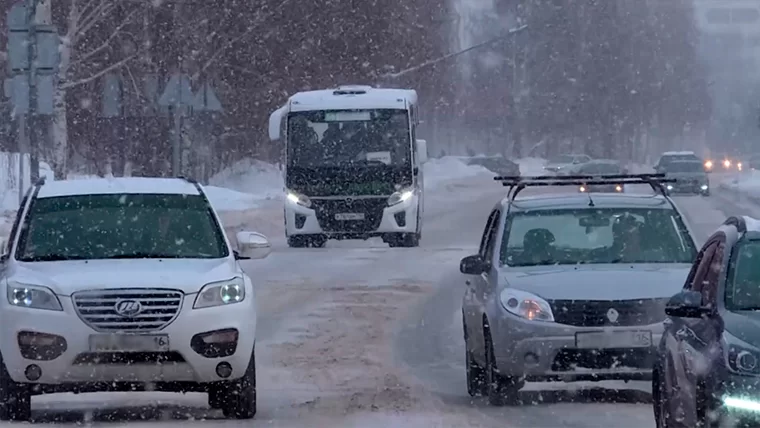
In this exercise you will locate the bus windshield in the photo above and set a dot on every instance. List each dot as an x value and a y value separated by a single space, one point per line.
356 137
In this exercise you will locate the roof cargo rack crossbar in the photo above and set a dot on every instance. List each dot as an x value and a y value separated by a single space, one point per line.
517 183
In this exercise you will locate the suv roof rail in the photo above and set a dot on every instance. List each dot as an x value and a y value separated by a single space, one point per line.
40 181
188 179
517 183
738 222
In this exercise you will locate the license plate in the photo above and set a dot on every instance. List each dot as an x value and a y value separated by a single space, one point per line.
129 343
613 339
349 216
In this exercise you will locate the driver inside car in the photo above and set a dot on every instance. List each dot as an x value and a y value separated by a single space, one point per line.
538 248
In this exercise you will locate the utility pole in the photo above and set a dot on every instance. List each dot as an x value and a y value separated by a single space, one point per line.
31 147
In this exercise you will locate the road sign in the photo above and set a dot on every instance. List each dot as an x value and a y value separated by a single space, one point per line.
17 89
47 43
178 92
206 100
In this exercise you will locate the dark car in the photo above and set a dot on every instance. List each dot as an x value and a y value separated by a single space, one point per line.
600 168
670 157
689 176
707 371
497 164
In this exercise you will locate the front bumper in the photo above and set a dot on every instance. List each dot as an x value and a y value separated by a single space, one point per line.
547 351
78 365
379 219
675 188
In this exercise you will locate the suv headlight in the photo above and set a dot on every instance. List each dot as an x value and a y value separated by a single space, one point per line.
526 305
298 198
400 196
220 293
741 358
33 297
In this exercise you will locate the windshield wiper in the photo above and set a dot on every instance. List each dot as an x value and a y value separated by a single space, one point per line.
51 258
145 255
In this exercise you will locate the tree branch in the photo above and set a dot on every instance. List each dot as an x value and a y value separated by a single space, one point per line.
93 18
451 55
100 73
107 42
251 27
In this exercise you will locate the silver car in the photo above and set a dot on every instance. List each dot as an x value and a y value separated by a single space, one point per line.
571 287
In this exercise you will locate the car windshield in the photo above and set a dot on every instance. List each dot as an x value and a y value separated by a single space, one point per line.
337 137
743 285
685 167
120 226
595 236
562 159
601 168
678 158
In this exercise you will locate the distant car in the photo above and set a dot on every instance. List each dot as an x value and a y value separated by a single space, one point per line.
689 176
565 289
669 157
561 164
600 168
497 164
707 371
126 284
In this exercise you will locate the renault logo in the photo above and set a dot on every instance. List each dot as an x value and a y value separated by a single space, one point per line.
128 308
613 315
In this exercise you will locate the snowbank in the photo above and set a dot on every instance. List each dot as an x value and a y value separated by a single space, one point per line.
449 168
532 166
253 177
745 183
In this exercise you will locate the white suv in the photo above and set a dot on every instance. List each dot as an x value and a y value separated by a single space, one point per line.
126 284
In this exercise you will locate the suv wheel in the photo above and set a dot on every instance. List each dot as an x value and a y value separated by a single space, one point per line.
237 399
406 240
15 398
501 390
307 241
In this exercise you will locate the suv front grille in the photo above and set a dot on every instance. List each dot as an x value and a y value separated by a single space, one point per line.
157 308
372 208
596 313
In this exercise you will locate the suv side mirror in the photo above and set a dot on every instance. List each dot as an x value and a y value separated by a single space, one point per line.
422 153
252 245
473 265
686 304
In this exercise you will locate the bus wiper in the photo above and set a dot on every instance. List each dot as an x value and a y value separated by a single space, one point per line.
145 255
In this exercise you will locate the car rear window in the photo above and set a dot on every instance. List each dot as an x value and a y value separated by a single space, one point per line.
595 236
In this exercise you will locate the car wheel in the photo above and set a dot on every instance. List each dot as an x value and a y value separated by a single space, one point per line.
15 398
500 390
238 399
307 241
406 240
476 376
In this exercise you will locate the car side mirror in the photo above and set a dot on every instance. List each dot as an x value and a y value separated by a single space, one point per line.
252 245
687 304
473 265
422 152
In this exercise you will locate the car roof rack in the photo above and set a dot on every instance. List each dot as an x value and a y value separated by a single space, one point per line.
517 183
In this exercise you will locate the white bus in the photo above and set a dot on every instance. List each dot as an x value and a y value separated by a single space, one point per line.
353 165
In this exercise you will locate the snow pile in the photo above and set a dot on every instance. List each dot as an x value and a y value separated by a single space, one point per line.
532 166
746 183
253 177
449 168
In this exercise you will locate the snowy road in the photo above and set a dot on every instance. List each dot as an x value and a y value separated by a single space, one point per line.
358 334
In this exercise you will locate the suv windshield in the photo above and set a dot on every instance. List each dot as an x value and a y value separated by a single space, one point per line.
337 137
601 168
593 236
678 158
562 159
115 226
743 285
682 166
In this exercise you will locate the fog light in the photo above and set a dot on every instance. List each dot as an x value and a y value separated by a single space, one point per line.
582 189
704 187
33 372
215 344
224 370
531 358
